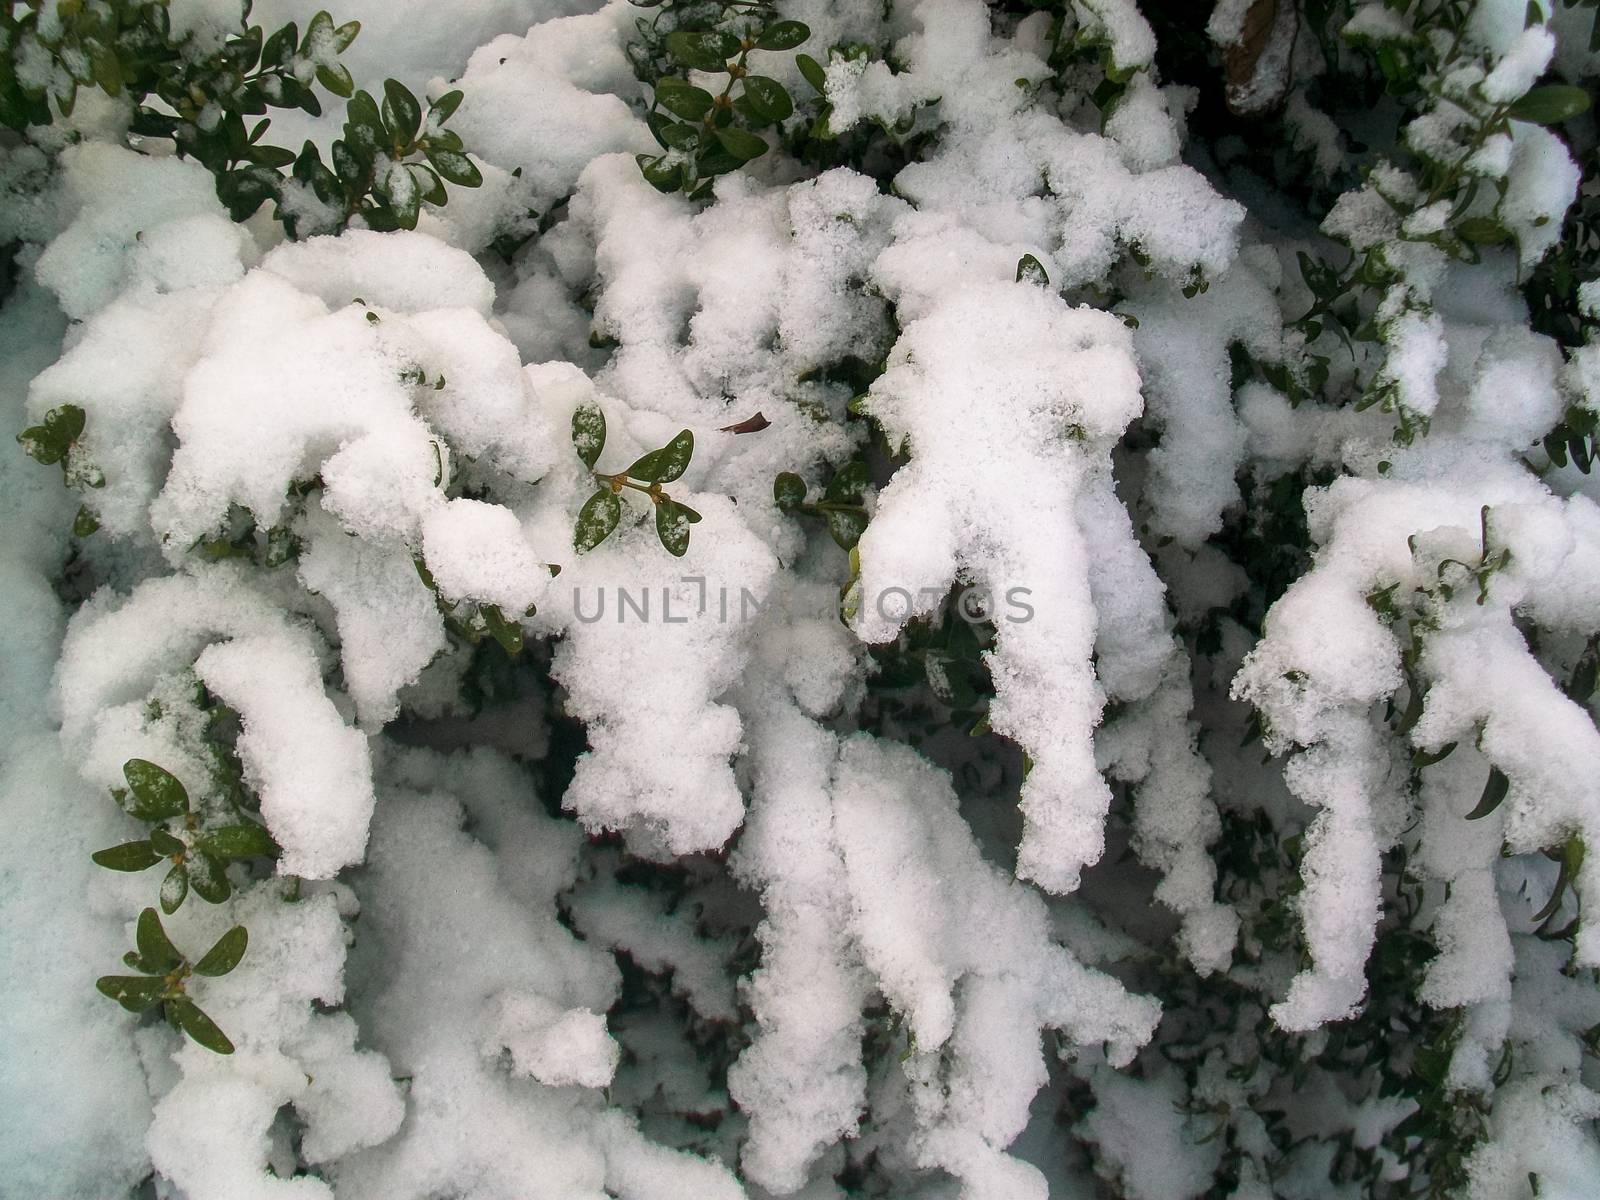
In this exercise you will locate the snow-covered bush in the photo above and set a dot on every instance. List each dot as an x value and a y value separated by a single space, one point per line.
922 599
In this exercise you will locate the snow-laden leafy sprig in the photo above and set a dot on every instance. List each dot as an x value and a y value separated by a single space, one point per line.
164 975
602 511
703 133
199 857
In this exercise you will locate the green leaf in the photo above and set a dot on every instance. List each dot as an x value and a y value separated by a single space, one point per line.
337 79
507 633
661 175
1494 791
136 993
676 135
224 956
596 519
208 878
244 840
672 525
666 464
1031 270
845 526
197 1025
442 109
344 35
788 490
849 483
588 433
318 32
741 143
280 47
401 111
130 856
429 186
811 71
85 522
51 440
1551 104
768 97
164 844
454 166
703 51
155 947
683 99
153 792
784 35
174 889
364 124
271 156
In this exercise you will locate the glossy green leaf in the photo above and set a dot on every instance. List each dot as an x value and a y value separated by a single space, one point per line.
136 993
845 526
319 32
660 174
85 522
741 143
768 97
455 167
337 79
442 109
174 889
788 490
849 483
596 519
666 464
344 35
1551 104
508 634
154 793
401 112
783 35
672 525
197 1025
130 856
811 71
209 878
683 99
429 186
155 947
702 51
164 844
244 840
224 956
588 433
281 46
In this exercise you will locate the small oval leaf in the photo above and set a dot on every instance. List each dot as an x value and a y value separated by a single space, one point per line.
768 97
666 464
783 35
596 519
188 1017
588 433
672 526
400 109
224 956
130 856
788 490
154 793
155 947
174 889
1551 104
244 840
209 879
133 992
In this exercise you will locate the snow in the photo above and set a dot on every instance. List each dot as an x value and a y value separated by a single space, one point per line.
705 891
